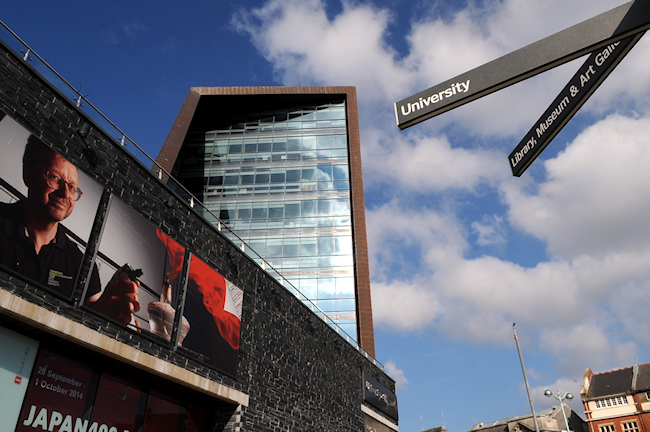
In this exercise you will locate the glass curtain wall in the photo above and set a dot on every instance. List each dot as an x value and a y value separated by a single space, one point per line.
280 180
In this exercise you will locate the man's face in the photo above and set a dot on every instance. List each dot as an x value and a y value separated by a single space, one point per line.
53 204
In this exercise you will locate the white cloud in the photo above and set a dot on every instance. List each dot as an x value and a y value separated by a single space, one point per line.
403 306
593 201
401 383
306 48
490 231
421 163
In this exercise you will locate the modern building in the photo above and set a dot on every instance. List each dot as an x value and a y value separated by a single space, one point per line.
281 167
548 420
618 400
212 342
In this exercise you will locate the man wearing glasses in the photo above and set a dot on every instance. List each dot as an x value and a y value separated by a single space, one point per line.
34 244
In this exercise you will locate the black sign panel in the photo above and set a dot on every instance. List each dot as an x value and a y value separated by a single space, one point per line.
379 396
581 39
583 84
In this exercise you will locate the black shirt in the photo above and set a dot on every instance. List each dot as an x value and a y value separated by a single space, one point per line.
57 263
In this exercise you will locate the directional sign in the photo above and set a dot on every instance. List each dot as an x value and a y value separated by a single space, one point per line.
588 78
583 38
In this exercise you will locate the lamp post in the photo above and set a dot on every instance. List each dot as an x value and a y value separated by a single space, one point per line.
567 395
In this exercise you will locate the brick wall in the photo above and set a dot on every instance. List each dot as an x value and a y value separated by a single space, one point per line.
298 373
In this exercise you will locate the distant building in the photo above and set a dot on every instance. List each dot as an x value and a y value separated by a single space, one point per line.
281 167
548 420
437 429
618 400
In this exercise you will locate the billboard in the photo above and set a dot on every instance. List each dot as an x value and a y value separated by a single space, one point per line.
213 309
68 395
58 394
133 256
47 208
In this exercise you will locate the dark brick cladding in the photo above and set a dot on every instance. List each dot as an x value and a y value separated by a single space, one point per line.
299 374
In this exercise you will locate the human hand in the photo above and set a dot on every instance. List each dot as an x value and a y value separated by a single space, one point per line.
119 300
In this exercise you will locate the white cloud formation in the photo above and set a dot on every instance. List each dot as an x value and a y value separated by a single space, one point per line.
490 231
401 383
305 47
593 200
422 163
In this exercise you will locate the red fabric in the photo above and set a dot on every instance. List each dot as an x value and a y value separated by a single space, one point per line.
176 253
213 287
210 284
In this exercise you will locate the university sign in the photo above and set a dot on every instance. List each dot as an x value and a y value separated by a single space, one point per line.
608 36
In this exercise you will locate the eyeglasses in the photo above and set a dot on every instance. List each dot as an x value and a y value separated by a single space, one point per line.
54 182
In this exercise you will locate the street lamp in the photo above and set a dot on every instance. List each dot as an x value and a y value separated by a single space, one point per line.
567 395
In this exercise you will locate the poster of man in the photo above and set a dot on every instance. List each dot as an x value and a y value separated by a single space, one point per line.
39 190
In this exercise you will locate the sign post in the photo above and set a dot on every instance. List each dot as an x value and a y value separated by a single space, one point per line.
608 36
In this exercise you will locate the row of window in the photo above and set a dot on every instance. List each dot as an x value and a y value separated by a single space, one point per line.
287 266
203 144
295 123
294 225
263 175
302 247
208 193
629 426
244 210
609 402
241 159
218 161
261 226
284 117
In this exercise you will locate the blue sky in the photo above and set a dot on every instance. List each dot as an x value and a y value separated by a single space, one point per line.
459 248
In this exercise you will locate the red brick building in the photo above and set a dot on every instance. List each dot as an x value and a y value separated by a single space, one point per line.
617 401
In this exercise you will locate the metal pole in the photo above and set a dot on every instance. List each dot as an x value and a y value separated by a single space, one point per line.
566 422
523 369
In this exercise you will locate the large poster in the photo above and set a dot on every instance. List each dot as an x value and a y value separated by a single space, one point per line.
47 208
143 266
57 396
213 309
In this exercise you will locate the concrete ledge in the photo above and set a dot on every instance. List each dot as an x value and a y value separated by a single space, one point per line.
65 328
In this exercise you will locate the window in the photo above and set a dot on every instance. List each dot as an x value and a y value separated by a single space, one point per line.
630 426
609 402
607 428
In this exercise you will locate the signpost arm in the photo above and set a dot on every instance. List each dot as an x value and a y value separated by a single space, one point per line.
572 97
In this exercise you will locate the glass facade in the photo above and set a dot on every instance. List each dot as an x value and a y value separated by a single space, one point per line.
280 180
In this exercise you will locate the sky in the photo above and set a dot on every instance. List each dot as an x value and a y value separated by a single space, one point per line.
460 249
